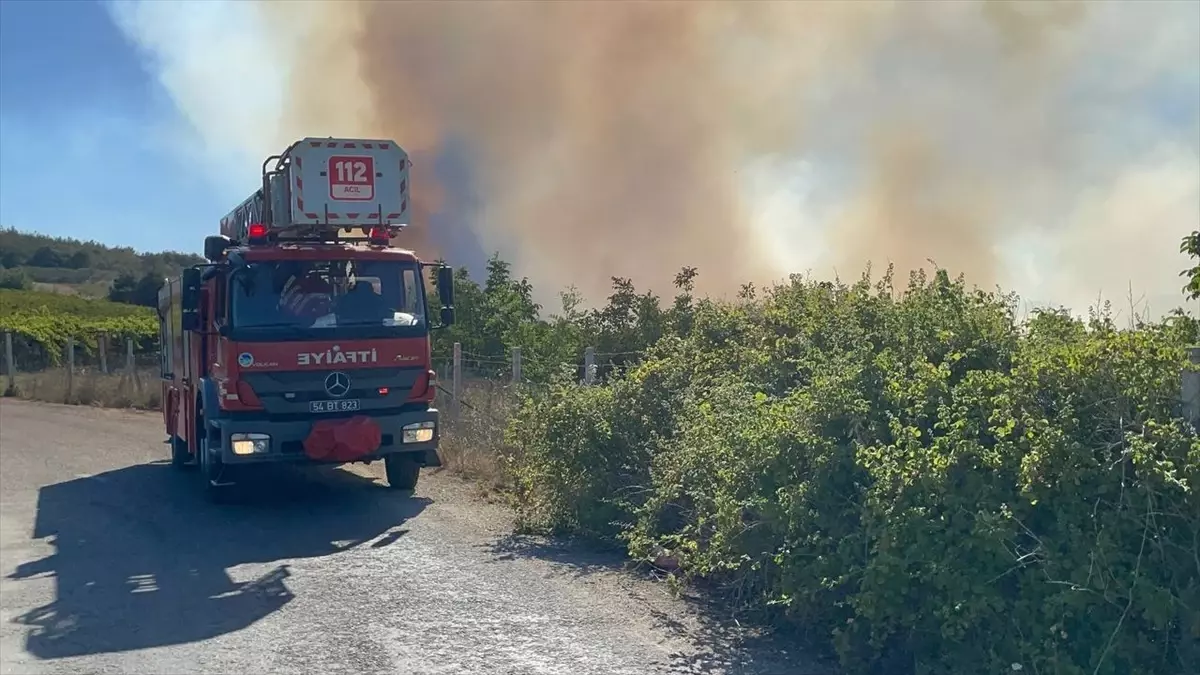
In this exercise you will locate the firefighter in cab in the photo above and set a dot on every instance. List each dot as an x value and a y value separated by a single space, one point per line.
307 297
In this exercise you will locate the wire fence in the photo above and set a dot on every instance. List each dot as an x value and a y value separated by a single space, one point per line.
475 382
107 371
477 393
480 393
24 354
519 366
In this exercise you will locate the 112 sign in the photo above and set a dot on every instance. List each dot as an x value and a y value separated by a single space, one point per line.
351 178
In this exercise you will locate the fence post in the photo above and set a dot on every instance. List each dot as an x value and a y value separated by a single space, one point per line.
9 363
589 366
102 345
1191 388
516 369
131 366
70 368
455 380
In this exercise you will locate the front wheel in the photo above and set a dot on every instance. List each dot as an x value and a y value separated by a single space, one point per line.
402 471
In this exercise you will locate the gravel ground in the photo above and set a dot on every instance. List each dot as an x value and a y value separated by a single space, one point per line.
112 562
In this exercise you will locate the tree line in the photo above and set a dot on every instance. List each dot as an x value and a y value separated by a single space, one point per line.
125 275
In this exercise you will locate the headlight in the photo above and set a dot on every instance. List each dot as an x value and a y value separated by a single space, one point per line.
418 432
250 444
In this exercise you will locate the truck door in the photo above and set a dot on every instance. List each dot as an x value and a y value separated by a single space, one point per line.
165 354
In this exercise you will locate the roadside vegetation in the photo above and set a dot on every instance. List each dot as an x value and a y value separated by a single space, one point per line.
90 387
912 472
932 484
53 289
41 324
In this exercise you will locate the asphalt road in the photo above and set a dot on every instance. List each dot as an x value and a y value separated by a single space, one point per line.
112 562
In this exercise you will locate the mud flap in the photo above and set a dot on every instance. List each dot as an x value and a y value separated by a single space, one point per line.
214 470
432 458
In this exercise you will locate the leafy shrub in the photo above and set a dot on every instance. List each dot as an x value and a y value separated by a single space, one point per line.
935 485
15 280
1190 246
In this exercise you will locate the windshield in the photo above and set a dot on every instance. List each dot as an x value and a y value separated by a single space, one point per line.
323 295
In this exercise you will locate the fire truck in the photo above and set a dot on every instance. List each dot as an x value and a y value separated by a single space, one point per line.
306 335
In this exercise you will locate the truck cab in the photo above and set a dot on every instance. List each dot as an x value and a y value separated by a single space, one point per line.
306 336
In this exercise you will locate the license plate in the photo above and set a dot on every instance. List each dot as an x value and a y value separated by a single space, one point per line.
332 406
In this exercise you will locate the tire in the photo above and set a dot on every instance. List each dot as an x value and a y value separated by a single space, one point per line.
180 457
402 471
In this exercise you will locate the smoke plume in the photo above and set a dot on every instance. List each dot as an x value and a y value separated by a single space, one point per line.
1053 148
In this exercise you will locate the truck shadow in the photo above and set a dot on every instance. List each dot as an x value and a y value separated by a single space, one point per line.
142 559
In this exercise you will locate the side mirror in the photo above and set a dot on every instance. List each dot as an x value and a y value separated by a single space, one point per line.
191 321
447 317
237 260
215 246
445 284
189 299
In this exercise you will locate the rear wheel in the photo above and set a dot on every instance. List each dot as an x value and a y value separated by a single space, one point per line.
402 471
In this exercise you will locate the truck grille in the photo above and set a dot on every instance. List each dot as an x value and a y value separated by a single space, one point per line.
289 392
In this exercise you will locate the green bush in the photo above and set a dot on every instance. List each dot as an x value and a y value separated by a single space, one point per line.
935 485
15 280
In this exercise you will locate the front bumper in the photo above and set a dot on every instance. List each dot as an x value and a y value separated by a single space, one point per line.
286 438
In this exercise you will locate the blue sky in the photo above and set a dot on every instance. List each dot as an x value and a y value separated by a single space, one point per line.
88 138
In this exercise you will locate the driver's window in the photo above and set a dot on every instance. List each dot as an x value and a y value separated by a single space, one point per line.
220 301
412 294
165 351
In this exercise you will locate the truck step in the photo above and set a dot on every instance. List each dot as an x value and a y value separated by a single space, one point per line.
219 481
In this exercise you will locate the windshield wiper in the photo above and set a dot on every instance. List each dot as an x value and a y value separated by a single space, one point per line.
290 328
361 322
382 323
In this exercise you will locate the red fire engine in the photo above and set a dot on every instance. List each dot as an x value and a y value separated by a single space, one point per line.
306 337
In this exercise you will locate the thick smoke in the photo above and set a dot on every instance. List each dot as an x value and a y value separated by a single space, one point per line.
1054 148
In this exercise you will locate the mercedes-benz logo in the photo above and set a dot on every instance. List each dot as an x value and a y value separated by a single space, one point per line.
337 384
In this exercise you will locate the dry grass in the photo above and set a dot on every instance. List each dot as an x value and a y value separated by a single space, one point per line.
471 445
89 387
